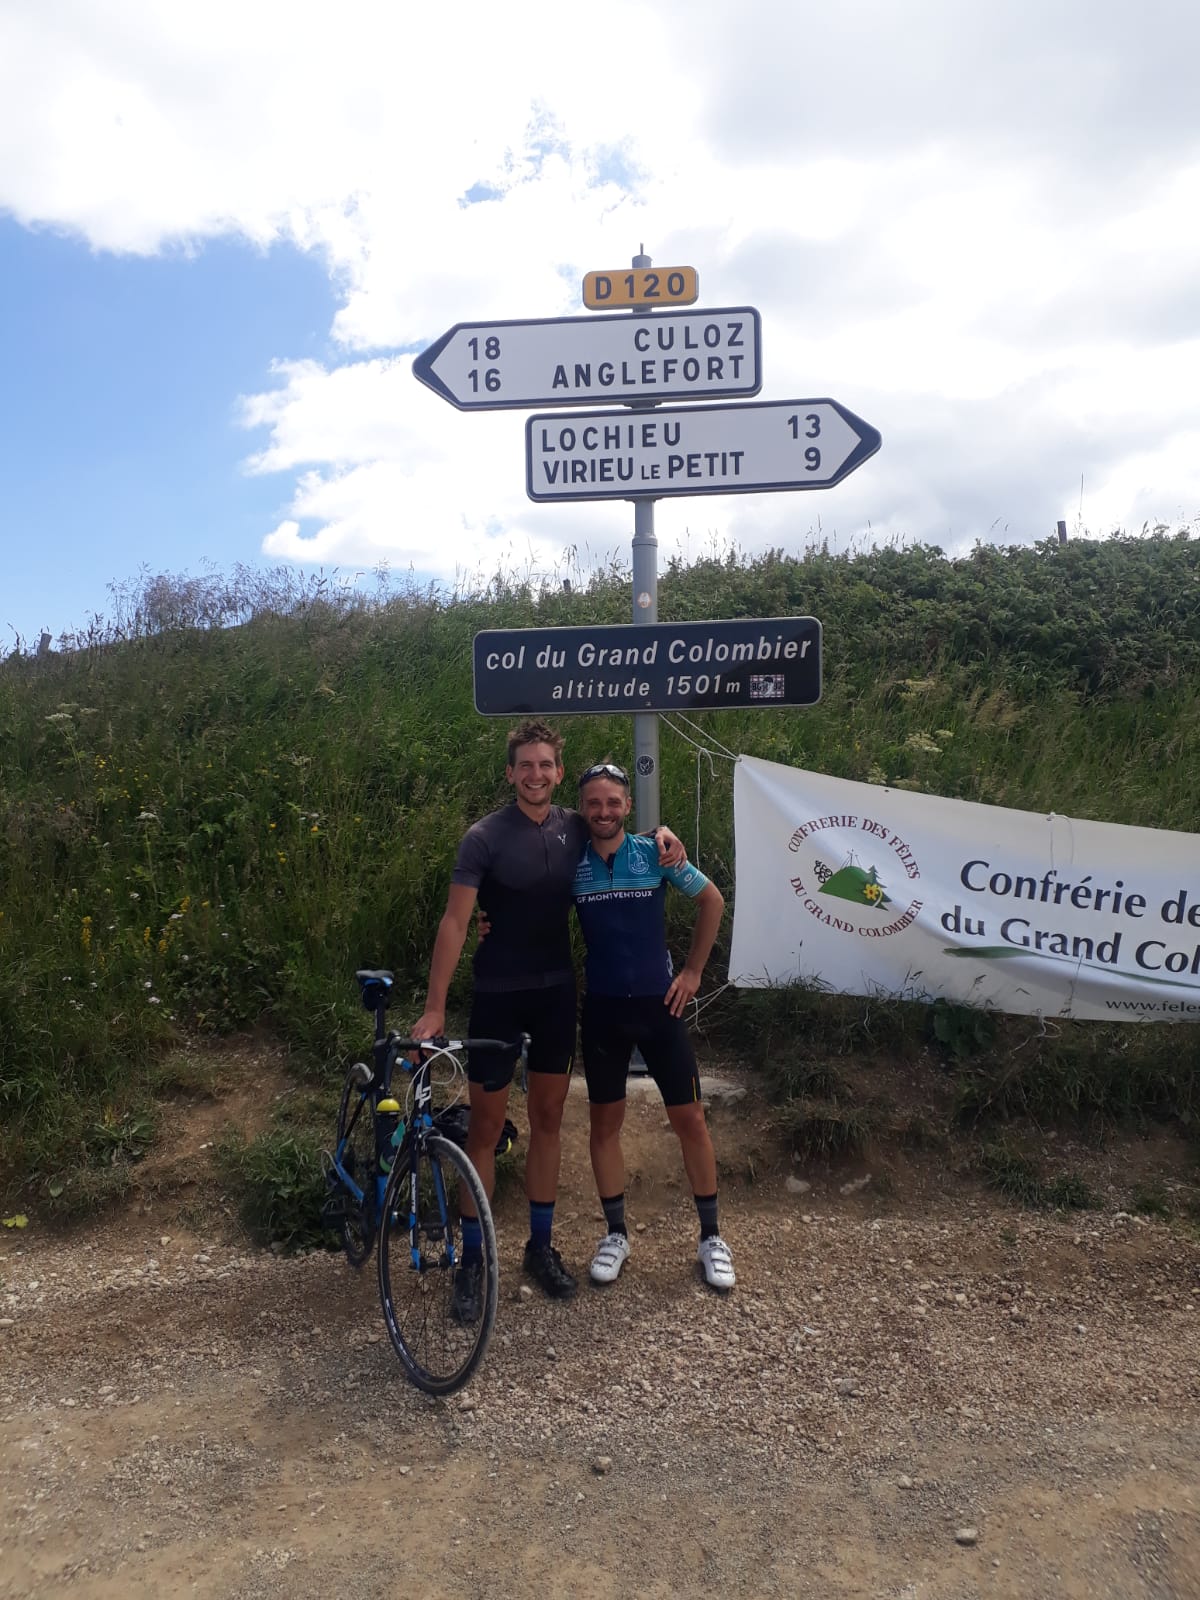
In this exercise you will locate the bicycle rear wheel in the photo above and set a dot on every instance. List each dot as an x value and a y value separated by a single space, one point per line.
356 1152
439 1340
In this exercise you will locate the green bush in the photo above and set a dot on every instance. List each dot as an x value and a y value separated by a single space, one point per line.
1014 1175
278 1180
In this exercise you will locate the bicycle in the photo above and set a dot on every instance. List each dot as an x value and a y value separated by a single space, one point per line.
397 1178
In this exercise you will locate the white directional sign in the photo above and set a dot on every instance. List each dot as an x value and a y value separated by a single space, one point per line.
668 355
766 445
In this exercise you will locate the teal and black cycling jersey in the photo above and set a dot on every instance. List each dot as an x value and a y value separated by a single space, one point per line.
621 907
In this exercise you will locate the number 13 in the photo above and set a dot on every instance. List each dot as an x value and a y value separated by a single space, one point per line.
812 456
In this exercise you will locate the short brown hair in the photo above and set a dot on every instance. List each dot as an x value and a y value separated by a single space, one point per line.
533 732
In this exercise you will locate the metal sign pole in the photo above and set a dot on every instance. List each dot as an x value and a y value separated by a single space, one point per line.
645 611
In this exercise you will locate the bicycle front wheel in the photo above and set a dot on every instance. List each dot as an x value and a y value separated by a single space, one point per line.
439 1315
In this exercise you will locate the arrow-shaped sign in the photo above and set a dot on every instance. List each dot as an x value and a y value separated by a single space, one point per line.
668 355
766 445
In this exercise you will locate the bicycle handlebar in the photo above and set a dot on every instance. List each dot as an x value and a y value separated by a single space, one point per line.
441 1042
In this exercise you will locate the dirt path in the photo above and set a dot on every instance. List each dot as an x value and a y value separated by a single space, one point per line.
181 1415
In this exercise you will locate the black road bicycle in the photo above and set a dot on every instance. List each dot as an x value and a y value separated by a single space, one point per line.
398 1180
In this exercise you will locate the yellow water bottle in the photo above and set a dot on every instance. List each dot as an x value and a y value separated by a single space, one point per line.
389 1131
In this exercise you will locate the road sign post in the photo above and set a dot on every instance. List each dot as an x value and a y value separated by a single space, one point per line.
646 784
644 454
645 614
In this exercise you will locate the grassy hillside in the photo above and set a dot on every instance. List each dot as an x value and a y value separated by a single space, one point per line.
213 810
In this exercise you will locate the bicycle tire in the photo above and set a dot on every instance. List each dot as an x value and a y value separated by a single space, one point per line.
438 1352
356 1224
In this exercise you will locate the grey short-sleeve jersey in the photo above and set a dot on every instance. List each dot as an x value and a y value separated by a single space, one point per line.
523 871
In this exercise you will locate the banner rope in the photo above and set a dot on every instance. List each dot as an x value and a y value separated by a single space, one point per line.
702 753
703 1005
722 749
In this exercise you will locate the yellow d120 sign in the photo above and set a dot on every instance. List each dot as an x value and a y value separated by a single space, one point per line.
641 286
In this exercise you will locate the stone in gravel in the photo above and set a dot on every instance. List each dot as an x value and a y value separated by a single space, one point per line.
466 1402
524 1292
602 1466
967 1536
849 1387
552 1352
798 1185
721 1091
905 1482
856 1185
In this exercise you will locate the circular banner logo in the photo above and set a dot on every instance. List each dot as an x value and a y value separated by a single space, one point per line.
854 876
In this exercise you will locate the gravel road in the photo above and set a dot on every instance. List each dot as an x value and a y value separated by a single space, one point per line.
936 1398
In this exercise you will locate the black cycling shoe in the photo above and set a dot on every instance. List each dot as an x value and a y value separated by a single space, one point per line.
465 1302
545 1266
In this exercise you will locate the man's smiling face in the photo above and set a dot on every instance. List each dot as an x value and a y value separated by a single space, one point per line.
534 774
605 804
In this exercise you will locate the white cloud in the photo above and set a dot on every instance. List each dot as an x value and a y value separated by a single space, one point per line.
976 228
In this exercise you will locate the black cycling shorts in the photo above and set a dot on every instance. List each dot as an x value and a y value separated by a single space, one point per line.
613 1025
548 1016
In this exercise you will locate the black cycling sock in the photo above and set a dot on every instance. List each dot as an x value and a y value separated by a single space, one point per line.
706 1206
614 1213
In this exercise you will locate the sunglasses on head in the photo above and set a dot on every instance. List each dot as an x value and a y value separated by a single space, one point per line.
604 769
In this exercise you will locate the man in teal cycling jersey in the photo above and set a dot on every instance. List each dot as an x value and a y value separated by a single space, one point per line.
634 998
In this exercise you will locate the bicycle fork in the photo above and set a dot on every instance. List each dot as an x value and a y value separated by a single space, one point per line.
422 1125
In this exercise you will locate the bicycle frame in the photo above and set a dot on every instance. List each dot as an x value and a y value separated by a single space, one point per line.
388 1053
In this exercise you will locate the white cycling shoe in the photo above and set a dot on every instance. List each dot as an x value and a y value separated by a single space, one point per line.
611 1255
716 1262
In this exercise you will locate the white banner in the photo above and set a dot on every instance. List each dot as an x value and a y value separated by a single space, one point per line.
865 890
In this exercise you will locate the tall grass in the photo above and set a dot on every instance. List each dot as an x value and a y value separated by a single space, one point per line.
217 803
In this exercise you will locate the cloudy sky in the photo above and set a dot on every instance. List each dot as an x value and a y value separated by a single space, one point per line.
225 230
